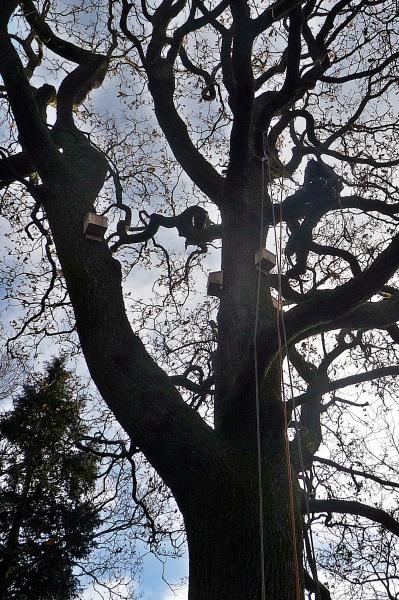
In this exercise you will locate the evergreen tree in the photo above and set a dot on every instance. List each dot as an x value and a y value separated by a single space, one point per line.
47 512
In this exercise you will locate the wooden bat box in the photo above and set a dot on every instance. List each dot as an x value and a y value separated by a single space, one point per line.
215 283
94 227
265 259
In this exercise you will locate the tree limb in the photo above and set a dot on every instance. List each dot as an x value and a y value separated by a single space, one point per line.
362 74
59 46
16 165
311 586
328 306
351 507
352 471
34 135
325 387
371 315
191 224
242 94
161 83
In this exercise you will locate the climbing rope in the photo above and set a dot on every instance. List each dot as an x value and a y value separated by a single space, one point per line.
257 403
280 334
312 557
282 350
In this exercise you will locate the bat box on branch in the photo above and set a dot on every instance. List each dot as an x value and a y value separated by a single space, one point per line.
265 260
94 227
215 283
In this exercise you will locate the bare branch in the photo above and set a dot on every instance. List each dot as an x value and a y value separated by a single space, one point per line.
352 471
192 224
325 387
351 507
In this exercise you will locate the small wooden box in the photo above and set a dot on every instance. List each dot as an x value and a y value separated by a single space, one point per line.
266 259
94 227
215 283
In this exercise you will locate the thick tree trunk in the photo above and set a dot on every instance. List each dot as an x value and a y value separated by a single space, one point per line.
223 526
173 437
223 532
234 411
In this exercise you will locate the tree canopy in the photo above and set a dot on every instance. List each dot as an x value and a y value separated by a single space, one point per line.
237 125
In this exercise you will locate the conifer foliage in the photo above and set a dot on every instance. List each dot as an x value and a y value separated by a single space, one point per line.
47 508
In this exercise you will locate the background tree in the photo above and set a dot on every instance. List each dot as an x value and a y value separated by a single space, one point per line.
66 486
47 514
273 87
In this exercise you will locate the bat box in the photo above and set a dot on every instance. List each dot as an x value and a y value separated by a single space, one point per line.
94 227
265 259
215 283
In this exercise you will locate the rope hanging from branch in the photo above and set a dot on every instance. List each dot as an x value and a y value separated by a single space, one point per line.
257 404
283 351
280 336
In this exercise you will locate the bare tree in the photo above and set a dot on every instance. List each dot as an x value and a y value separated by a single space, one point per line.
251 101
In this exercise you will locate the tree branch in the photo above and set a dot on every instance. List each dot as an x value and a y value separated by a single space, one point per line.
352 471
311 586
339 253
34 135
325 387
161 83
329 306
242 93
273 13
369 205
191 224
192 386
371 315
362 74
16 165
54 43
351 507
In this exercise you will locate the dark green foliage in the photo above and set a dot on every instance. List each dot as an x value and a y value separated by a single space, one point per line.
47 516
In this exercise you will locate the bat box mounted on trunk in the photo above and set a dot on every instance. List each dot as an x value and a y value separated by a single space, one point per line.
215 283
265 259
94 227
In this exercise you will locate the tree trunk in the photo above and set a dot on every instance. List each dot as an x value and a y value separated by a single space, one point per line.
223 533
223 525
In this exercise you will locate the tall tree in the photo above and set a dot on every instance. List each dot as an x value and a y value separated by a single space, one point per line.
47 514
280 85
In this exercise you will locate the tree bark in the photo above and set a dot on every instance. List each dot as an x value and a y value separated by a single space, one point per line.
223 533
